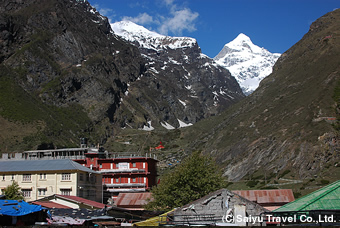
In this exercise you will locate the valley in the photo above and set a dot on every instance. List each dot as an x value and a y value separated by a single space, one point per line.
128 89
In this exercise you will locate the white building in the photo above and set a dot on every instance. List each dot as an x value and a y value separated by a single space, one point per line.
41 178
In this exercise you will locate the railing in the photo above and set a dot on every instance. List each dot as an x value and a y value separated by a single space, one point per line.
122 170
126 185
126 190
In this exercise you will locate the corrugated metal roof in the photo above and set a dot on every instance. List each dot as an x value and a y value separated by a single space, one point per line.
132 199
82 200
41 165
49 204
326 198
268 197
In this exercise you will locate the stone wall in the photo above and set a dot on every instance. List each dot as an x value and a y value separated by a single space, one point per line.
222 206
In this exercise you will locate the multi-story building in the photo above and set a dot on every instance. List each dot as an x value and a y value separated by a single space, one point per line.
40 178
122 173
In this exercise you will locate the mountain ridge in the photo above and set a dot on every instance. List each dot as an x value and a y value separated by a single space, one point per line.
197 86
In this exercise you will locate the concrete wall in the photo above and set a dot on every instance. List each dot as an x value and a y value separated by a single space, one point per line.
222 206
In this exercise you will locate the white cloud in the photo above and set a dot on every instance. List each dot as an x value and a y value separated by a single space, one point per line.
181 20
176 19
169 2
142 18
105 11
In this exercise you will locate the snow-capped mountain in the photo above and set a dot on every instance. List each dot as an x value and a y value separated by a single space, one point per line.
149 39
182 84
247 62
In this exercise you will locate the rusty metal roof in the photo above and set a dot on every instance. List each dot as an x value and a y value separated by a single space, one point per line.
268 197
136 200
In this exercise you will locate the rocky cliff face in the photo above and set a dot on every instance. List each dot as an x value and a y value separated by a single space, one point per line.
63 54
184 85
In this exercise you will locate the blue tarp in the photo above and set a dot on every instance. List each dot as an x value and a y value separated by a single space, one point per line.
17 208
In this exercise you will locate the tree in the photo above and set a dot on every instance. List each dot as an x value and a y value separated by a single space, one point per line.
195 177
12 192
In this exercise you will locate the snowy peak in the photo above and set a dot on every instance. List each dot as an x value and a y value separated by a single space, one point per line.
243 42
131 31
149 39
247 62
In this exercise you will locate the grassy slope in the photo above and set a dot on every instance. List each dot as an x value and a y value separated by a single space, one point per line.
30 122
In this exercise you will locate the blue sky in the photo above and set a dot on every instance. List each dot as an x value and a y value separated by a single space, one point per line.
273 24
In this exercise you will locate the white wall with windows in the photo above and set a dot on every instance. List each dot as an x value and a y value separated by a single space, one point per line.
35 186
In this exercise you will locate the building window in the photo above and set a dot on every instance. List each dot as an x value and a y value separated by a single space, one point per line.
42 176
3 177
81 193
134 180
81 176
26 177
26 193
66 176
117 180
91 193
93 179
13 176
134 165
42 191
65 192
123 165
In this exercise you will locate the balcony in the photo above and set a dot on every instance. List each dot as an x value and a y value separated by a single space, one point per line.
133 170
126 190
125 185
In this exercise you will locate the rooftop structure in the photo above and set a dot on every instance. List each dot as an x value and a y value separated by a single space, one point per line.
219 208
133 201
41 165
326 198
319 208
70 202
269 199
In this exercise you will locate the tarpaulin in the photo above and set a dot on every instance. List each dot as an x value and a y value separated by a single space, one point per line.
155 221
65 220
17 208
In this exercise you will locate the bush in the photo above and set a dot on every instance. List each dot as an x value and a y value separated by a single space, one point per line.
12 192
252 183
324 182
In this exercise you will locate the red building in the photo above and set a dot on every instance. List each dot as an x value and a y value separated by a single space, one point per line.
122 173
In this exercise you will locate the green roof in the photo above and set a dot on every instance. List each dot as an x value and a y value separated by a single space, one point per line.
326 198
